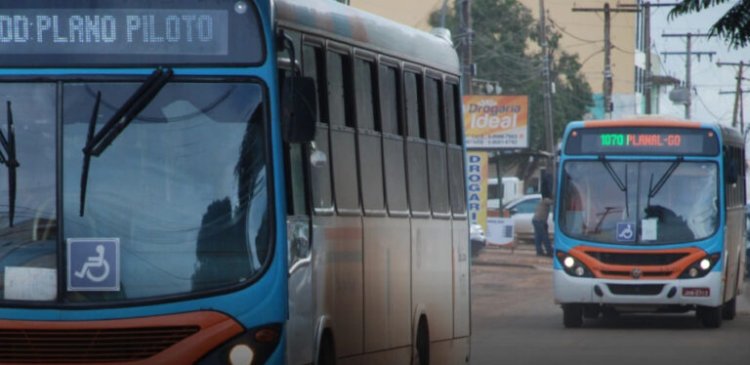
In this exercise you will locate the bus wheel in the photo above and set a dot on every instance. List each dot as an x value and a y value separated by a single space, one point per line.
710 316
422 344
572 315
729 309
326 354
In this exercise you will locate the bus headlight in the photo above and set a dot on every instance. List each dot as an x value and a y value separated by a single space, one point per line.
573 266
241 355
252 347
701 268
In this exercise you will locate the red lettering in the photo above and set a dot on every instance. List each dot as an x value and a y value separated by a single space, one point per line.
648 140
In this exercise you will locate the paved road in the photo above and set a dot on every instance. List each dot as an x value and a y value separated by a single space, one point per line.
514 321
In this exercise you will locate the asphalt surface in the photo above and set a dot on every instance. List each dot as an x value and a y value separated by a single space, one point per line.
515 321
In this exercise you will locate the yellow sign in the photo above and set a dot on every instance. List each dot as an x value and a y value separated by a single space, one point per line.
496 121
477 186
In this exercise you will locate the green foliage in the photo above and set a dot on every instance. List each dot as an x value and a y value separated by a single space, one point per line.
506 49
734 26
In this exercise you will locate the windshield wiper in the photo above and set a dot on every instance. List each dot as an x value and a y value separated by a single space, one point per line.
87 156
9 160
623 186
654 189
98 143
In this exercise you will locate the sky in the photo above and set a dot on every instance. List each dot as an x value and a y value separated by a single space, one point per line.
707 78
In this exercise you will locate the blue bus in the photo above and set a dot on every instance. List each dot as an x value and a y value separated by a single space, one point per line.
649 218
229 182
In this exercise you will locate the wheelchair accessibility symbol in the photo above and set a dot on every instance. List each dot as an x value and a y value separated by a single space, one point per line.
625 232
93 264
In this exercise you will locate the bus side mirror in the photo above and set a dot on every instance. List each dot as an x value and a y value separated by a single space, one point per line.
299 109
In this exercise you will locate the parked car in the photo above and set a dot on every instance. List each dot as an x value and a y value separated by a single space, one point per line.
478 239
521 211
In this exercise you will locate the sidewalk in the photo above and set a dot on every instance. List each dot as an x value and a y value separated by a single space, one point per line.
523 255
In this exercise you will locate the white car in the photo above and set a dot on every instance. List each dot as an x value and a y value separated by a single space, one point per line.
478 239
521 211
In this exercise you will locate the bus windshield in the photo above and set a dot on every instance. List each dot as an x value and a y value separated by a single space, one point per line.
639 202
183 188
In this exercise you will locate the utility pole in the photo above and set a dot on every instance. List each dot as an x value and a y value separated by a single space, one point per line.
647 77
607 83
547 92
738 92
647 46
738 105
467 36
688 56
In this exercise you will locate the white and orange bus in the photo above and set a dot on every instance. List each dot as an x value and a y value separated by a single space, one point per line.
649 217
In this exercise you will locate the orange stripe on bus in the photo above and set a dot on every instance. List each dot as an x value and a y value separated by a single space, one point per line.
214 329
614 271
641 123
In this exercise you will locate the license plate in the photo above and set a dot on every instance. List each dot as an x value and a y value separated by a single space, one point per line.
696 292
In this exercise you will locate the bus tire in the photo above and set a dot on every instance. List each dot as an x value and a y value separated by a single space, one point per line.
710 316
326 353
729 309
422 343
572 315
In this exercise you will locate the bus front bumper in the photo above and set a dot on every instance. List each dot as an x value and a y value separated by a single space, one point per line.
705 291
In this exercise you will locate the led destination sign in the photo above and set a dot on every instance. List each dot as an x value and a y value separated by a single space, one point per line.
86 36
666 141
115 31
642 140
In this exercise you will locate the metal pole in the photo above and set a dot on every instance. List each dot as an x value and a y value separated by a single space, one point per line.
738 96
687 78
647 48
607 85
549 125
466 45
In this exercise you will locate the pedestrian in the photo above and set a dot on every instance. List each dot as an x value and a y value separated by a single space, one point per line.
541 236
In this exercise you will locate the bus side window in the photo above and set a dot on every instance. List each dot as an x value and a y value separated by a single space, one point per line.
393 141
436 149
416 150
343 145
454 136
320 173
370 146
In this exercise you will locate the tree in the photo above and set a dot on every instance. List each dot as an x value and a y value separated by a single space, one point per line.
734 26
506 49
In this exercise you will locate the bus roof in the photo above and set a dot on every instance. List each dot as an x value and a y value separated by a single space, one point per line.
642 122
730 135
346 24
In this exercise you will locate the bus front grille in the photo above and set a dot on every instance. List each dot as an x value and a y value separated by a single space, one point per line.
635 289
640 259
88 345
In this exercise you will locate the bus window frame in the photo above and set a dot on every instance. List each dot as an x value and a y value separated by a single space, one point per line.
319 45
420 138
370 59
399 136
438 79
349 124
